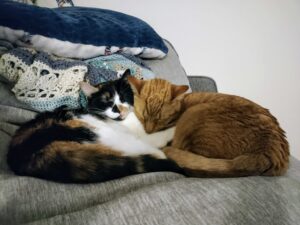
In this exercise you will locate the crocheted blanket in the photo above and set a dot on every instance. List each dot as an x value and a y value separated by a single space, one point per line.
5 46
46 82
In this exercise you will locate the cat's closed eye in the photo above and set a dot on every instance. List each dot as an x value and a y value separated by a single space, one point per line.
171 122
106 96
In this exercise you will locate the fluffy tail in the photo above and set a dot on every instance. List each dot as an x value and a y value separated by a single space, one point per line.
81 163
245 165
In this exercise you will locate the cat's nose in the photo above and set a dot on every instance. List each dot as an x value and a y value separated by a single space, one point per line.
149 127
115 109
123 111
122 116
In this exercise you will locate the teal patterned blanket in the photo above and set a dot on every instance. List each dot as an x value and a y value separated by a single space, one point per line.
46 82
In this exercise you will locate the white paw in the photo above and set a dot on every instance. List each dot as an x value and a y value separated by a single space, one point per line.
154 142
160 143
159 139
169 134
165 137
159 154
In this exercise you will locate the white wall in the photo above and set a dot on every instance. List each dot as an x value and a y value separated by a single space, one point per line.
251 48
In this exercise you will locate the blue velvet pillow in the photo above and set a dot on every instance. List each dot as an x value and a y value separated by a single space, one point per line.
78 32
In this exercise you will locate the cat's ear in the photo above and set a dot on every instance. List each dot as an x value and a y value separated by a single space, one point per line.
126 74
136 84
87 89
178 90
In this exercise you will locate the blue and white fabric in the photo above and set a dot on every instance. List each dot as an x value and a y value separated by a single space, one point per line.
78 32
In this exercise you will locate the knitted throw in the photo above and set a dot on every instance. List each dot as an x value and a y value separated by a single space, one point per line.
5 46
43 81
111 66
46 82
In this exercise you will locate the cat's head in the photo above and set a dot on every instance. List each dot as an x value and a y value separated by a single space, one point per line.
112 99
156 103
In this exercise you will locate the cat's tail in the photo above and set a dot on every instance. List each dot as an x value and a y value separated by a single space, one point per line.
72 162
245 165
152 164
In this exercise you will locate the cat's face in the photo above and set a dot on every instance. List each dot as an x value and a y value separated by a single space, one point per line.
156 103
113 99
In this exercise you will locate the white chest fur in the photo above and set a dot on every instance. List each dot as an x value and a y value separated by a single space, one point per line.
159 139
132 123
120 138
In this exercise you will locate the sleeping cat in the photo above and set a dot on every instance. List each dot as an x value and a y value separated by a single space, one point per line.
84 146
216 134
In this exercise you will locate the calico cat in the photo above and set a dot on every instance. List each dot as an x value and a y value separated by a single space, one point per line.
83 146
113 99
217 135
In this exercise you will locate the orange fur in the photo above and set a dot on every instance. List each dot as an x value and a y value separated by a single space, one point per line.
78 155
75 123
216 134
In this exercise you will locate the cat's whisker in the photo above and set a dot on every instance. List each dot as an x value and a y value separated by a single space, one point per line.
95 109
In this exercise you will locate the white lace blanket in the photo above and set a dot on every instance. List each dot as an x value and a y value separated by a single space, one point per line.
46 82
41 80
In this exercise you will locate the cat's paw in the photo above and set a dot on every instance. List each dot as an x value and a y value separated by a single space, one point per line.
174 153
153 141
169 135
160 139
159 154
159 144
168 151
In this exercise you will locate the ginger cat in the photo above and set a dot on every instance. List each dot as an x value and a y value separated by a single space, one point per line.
217 135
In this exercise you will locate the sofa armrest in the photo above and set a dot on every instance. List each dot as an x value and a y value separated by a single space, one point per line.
202 83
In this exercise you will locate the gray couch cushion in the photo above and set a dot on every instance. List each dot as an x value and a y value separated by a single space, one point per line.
169 68
8 98
202 83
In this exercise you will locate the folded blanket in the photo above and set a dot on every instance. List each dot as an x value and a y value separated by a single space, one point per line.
42 80
46 82
78 32
110 66
5 46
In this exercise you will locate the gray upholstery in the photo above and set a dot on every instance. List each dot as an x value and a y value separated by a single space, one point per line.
153 198
169 68
202 83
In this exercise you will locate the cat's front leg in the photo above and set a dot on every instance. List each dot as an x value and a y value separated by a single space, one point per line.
159 139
